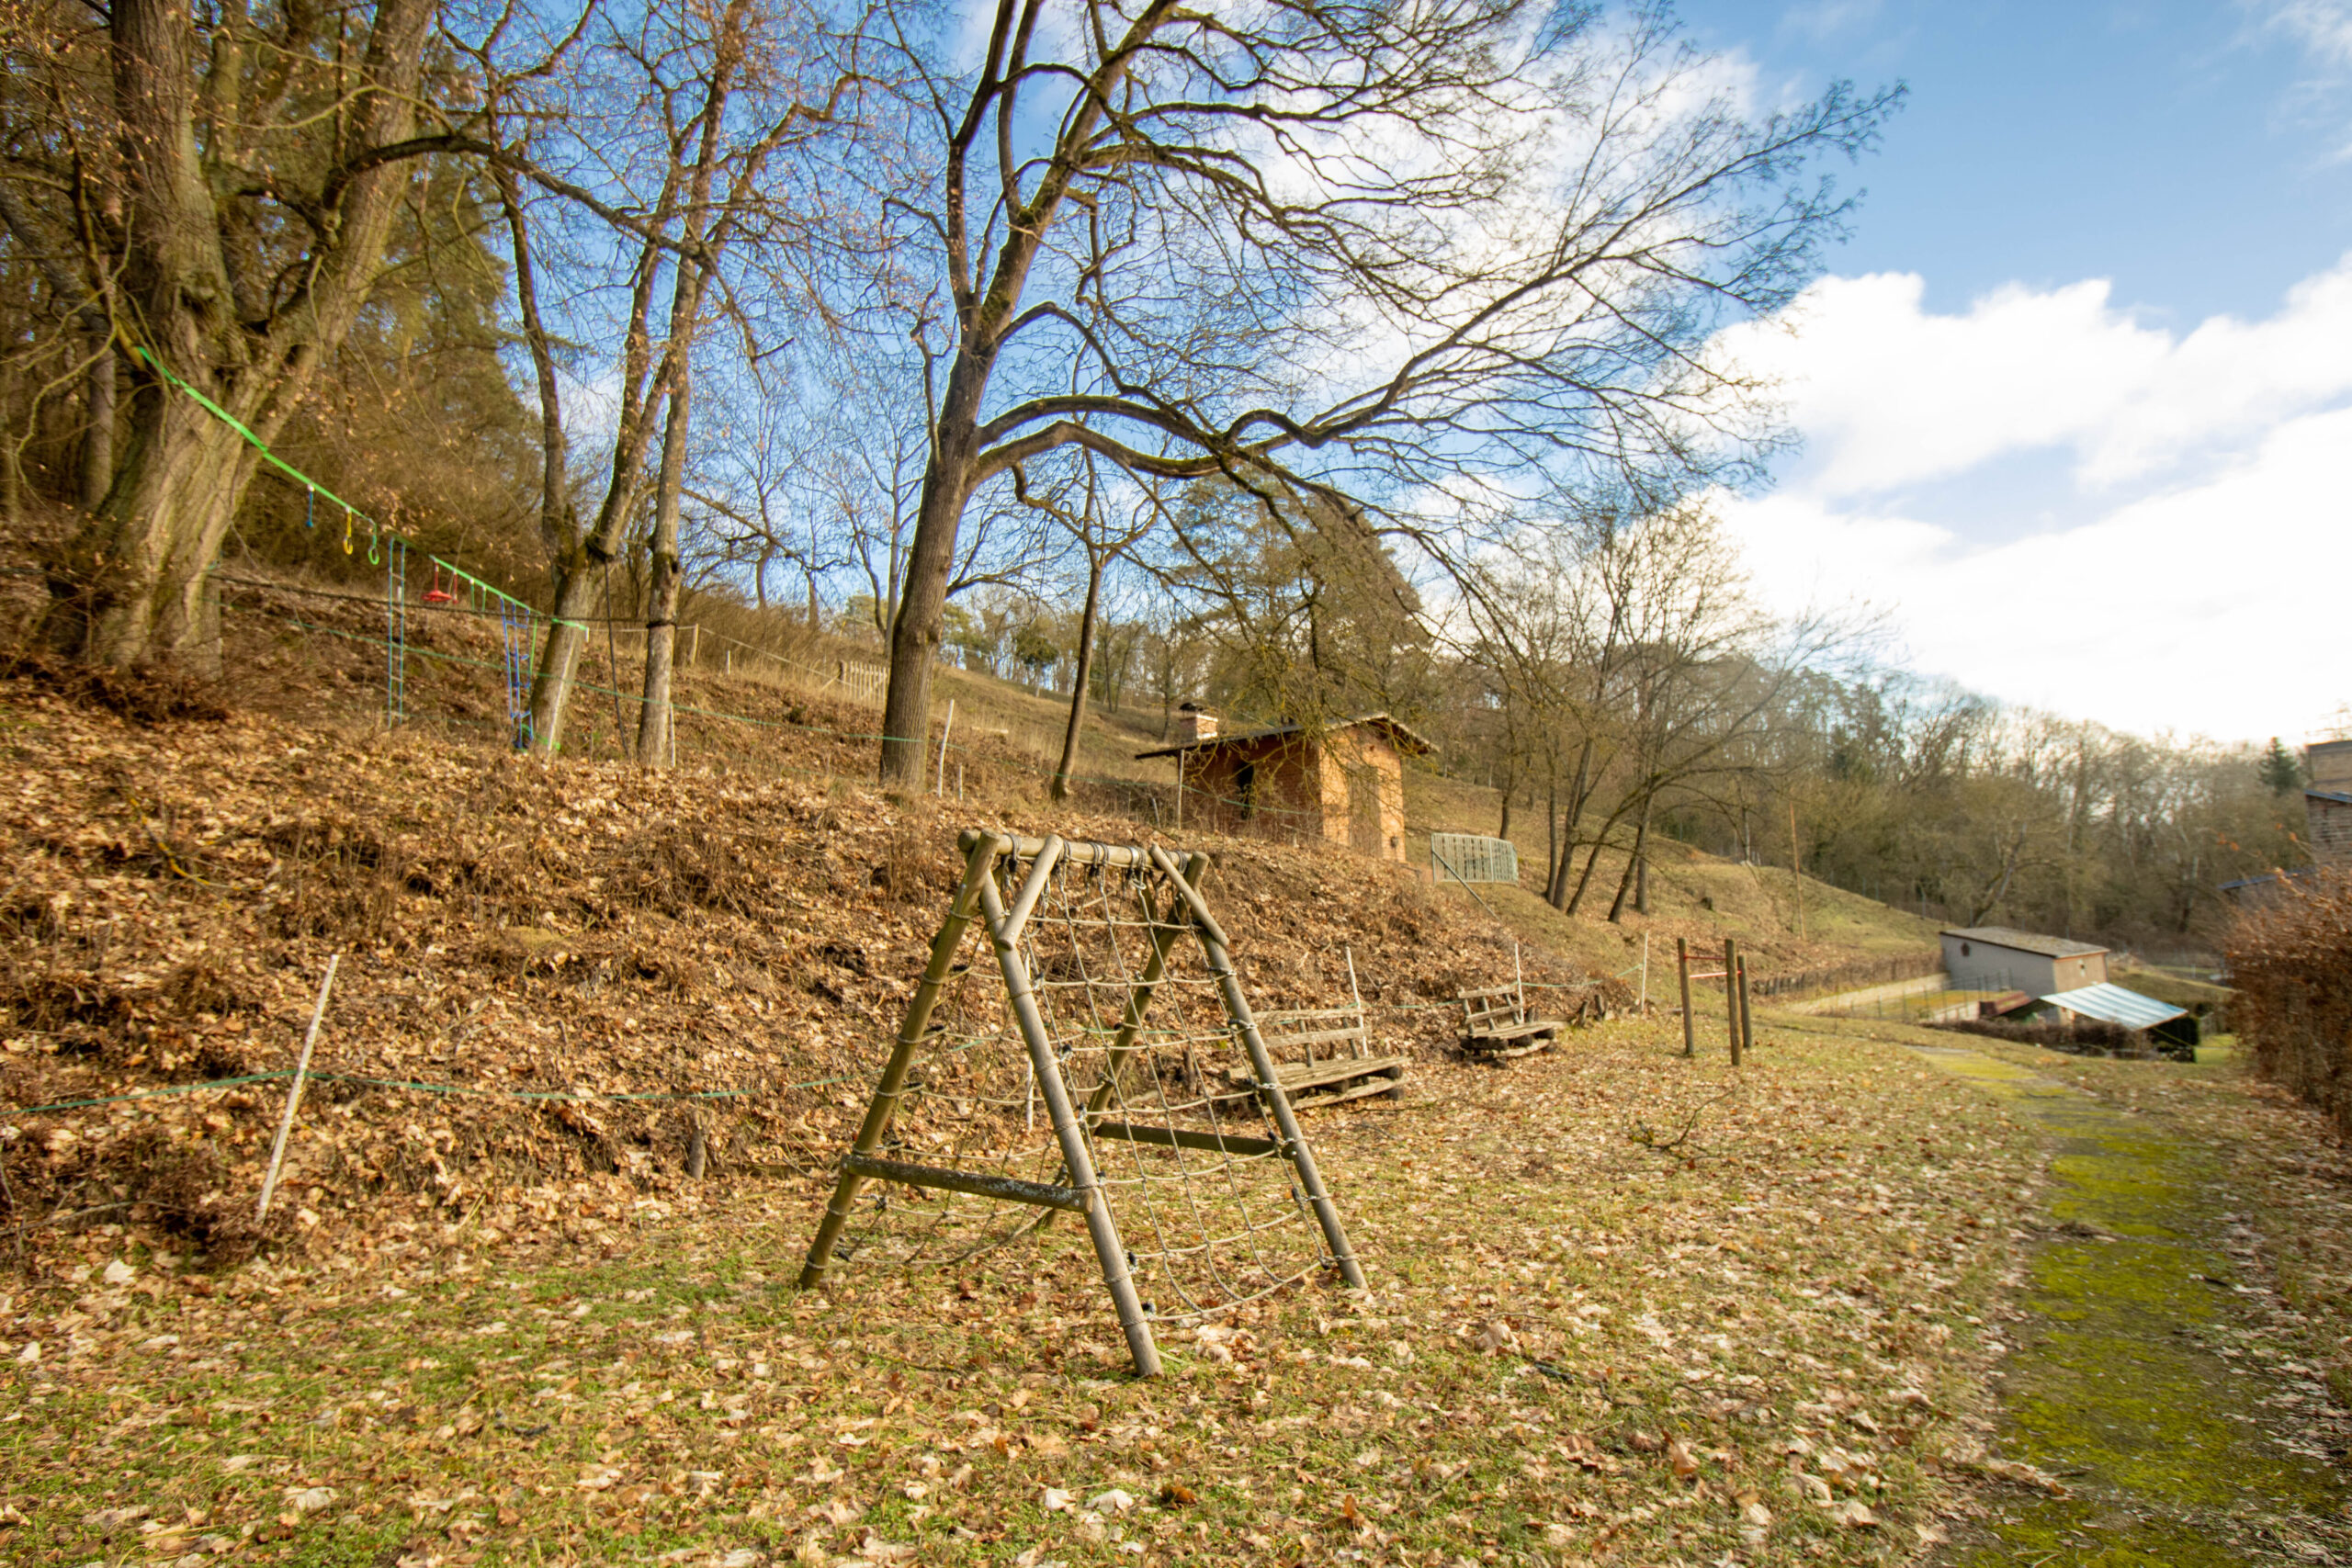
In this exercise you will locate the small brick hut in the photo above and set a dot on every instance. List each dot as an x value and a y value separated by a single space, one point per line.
2327 801
1343 782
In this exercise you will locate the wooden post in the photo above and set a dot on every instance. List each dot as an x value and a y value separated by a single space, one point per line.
1237 1008
1644 1003
1682 972
693 644
1733 972
294 1095
1731 994
1796 877
979 862
940 785
1004 934
1747 1013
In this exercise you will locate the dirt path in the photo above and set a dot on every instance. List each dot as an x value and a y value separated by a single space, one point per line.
2130 1382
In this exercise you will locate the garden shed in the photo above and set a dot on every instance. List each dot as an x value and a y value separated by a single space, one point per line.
1341 781
1996 958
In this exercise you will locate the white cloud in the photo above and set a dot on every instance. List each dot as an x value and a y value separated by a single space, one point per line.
1890 395
2324 27
2201 497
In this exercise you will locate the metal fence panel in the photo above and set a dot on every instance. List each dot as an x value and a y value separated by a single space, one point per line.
1474 857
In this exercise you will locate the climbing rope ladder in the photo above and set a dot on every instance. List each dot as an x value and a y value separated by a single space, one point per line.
518 643
396 631
1087 1074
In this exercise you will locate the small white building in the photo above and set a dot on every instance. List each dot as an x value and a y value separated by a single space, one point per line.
1995 958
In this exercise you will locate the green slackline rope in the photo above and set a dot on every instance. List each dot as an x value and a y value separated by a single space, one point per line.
312 490
424 1088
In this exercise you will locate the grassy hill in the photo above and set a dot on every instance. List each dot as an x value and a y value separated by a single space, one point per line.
300 654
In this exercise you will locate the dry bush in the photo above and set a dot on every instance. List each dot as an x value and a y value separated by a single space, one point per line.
2293 1010
150 694
180 1187
913 869
675 867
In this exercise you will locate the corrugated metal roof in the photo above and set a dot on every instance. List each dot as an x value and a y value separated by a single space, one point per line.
2113 1004
2025 942
2327 795
1403 740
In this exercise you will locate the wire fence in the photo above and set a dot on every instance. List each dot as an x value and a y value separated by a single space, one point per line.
406 630
1852 974
1986 994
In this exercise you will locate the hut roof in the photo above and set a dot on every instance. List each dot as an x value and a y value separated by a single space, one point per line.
1403 738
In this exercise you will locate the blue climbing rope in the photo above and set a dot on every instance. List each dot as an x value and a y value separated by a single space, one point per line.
518 632
396 630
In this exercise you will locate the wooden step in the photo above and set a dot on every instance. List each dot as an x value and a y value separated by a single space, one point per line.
1508 1032
1320 1037
1393 1086
1295 1075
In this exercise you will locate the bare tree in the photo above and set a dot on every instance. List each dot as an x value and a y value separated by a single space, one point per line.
214 201
709 191
1101 529
1331 249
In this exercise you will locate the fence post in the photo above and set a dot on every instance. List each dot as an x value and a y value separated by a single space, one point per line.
1682 971
1731 993
1734 970
1746 1014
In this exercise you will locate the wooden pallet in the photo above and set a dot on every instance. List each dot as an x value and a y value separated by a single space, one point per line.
1309 1084
1345 1069
1495 1025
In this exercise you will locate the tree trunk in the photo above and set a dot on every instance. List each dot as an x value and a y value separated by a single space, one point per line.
1556 892
915 630
130 584
576 580
1551 821
97 437
580 572
559 527
1078 684
654 718
1585 879
1632 864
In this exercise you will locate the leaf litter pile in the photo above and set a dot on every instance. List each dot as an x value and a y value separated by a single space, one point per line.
1624 1307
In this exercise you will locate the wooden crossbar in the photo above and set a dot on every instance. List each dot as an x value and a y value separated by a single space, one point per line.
1185 1138
1012 1188
1079 851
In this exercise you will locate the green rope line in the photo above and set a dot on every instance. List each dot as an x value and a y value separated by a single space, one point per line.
472 582
376 529
427 1088
255 441
155 1093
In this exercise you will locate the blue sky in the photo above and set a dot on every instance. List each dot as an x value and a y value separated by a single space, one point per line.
2187 151
2085 367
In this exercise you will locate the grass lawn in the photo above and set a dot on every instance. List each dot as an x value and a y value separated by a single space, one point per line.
1624 1305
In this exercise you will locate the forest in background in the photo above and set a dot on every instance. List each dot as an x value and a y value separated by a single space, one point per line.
1127 391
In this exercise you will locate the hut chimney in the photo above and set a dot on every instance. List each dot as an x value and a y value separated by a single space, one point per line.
1194 724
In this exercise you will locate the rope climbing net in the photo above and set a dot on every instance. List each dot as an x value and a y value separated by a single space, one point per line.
1081 1067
